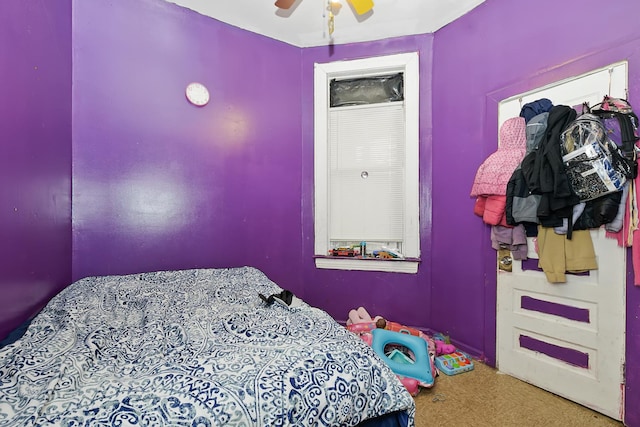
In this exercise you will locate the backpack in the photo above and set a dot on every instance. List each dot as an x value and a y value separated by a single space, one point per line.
621 124
594 164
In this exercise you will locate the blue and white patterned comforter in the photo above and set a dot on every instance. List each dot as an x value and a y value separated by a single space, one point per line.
190 348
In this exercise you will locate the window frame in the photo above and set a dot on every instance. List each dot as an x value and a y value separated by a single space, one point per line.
408 64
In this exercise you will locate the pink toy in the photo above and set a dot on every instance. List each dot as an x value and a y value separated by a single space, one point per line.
411 384
360 315
443 348
367 337
362 324
397 327
440 347
362 327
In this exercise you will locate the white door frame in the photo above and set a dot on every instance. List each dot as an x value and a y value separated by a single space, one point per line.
531 312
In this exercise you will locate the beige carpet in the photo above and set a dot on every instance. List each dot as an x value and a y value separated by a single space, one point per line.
485 397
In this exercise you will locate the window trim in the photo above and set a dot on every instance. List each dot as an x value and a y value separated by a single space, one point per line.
407 63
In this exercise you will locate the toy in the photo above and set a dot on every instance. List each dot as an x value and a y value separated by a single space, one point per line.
432 346
420 369
442 348
397 327
443 345
343 252
438 346
361 323
382 254
398 356
454 363
362 327
367 337
441 337
411 384
393 252
360 315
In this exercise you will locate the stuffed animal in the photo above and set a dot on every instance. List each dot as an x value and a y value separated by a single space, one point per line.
360 315
443 348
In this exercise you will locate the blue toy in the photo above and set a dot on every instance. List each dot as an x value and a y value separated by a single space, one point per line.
419 370
398 356
454 363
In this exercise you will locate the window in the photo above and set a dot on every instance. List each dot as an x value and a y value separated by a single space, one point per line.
366 161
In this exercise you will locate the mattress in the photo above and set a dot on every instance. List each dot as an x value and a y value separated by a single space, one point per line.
192 348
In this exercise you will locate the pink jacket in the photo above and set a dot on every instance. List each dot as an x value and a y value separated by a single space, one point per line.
494 173
492 210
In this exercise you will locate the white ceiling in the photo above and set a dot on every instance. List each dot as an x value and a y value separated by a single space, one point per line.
305 24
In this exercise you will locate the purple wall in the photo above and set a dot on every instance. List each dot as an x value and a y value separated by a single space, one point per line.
162 184
35 163
480 59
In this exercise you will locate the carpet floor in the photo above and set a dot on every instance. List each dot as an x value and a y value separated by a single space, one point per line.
485 397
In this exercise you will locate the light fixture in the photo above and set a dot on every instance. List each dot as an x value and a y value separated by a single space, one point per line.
359 6
333 7
284 4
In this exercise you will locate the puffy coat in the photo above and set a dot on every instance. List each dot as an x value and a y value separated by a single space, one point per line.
491 209
493 174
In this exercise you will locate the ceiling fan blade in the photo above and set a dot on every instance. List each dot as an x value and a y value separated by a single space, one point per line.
284 4
361 6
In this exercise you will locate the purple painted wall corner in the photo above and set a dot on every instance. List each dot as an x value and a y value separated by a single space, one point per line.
35 165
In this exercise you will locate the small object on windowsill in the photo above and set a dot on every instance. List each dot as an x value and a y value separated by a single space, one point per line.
343 252
387 253
371 257
382 255
393 252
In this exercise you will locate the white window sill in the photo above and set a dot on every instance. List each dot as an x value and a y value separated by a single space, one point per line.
409 265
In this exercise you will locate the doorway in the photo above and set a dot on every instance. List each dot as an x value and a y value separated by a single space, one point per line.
567 338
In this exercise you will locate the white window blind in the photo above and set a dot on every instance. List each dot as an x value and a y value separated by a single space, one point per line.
367 173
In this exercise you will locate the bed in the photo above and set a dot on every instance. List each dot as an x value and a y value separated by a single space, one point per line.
192 348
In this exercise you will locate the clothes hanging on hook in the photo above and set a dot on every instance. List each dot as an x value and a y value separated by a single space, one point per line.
532 109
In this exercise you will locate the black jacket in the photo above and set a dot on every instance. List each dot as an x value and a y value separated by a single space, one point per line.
522 204
546 173
599 211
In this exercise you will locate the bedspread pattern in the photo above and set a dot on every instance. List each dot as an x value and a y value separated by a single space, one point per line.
190 348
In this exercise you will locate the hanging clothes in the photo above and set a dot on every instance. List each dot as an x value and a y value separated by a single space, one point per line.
490 188
494 173
629 235
491 209
546 175
558 255
512 238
